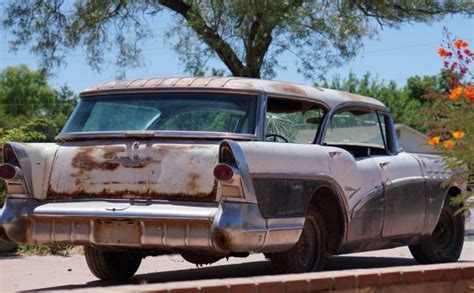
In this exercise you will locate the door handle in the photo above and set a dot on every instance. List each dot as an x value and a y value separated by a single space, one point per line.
383 164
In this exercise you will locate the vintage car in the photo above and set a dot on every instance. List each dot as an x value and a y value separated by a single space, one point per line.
217 167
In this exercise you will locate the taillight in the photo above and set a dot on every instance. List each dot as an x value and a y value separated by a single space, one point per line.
7 171
223 172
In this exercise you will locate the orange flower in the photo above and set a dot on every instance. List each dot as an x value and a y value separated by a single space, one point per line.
434 141
456 93
442 52
458 134
469 93
460 44
448 144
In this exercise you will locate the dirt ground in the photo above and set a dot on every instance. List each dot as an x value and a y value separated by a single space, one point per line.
18 273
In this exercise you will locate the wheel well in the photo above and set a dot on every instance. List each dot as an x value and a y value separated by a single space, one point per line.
332 213
453 191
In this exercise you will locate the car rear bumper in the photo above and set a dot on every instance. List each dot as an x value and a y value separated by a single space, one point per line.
220 228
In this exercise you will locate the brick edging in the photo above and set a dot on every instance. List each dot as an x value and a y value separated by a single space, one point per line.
324 281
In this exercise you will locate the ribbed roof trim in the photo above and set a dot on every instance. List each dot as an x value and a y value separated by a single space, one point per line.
327 96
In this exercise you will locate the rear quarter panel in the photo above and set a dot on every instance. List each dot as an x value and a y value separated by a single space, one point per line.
285 175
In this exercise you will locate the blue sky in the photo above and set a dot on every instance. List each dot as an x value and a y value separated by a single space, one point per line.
394 55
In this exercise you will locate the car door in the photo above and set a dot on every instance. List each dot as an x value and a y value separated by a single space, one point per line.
404 185
347 134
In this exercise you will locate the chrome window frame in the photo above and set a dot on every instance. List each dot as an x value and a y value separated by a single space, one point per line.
325 107
256 135
346 105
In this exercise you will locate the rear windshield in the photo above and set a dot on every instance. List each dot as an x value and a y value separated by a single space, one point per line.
230 113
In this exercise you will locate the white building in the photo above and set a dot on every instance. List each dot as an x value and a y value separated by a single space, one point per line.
413 141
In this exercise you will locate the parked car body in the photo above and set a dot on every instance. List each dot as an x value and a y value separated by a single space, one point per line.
217 167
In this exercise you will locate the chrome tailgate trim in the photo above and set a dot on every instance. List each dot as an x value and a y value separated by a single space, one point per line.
108 209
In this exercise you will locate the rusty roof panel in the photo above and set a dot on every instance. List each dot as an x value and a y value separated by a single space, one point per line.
327 96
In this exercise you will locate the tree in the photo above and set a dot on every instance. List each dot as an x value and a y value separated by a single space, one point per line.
25 94
248 36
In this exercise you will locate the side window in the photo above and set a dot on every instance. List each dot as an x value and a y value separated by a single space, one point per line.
292 120
357 131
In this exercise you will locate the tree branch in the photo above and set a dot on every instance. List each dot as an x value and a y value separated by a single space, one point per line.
264 38
208 35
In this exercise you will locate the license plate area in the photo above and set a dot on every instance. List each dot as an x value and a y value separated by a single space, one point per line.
117 232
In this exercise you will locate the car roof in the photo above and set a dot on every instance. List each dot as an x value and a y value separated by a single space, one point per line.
329 97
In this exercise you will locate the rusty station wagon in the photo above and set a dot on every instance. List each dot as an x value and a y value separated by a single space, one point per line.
218 167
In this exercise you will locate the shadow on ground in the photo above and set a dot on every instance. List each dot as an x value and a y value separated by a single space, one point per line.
253 269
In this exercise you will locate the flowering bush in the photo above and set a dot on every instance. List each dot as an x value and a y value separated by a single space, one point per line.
449 116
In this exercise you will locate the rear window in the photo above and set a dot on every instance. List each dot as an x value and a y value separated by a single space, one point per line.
229 113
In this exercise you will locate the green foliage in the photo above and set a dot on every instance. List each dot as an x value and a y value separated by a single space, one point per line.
44 249
23 93
249 37
448 114
30 110
442 117
38 129
403 102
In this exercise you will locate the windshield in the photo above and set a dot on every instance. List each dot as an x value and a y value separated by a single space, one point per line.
222 112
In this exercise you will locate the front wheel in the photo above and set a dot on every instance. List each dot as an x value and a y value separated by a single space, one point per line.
446 241
111 265
309 253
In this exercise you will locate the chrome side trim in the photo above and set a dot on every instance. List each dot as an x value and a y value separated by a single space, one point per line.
239 155
308 176
405 180
282 233
285 223
377 190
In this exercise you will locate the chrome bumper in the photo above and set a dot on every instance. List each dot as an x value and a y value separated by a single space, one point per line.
221 228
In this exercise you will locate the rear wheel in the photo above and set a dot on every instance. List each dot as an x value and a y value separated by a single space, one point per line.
446 241
309 253
111 265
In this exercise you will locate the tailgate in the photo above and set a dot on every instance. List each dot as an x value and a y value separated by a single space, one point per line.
134 170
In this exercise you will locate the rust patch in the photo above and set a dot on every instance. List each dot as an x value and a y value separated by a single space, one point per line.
166 148
84 161
353 97
110 158
106 193
111 151
288 88
193 184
